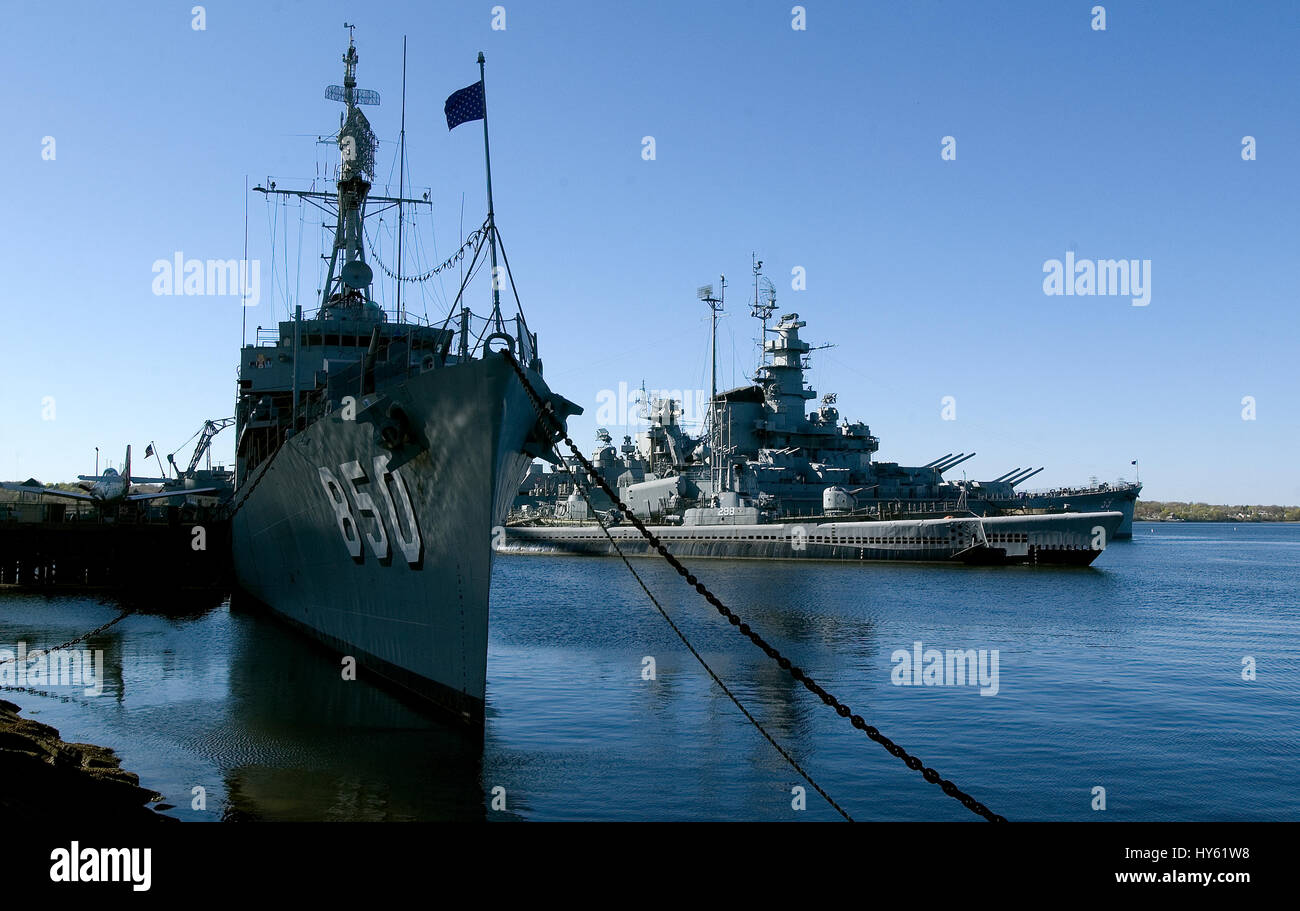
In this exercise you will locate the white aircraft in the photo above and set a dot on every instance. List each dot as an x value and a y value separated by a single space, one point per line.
111 487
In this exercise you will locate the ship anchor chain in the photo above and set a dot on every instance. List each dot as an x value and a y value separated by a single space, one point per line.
794 763
915 763
126 612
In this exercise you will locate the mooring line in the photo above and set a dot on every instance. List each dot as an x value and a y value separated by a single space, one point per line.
794 764
547 412
84 636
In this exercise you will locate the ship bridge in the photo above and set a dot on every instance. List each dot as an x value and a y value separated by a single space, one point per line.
771 413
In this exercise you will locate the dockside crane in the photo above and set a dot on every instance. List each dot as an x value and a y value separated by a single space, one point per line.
209 430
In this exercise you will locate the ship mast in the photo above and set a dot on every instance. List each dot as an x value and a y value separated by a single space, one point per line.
401 184
762 309
714 304
349 283
357 152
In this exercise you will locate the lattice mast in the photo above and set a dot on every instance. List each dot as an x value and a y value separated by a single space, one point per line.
349 278
764 305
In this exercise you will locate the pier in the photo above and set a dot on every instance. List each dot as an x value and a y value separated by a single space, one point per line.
158 555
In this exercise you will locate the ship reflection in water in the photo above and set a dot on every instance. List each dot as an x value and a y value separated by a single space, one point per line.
1112 673
313 745
224 698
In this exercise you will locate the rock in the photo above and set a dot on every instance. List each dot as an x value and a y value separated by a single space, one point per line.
41 776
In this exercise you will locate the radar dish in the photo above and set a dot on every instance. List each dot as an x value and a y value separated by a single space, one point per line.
359 96
357 274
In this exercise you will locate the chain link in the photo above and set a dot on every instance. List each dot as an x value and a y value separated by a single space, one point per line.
546 411
476 236
84 636
794 763
257 480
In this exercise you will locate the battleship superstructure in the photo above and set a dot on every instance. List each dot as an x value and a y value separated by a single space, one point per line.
376 452
763 444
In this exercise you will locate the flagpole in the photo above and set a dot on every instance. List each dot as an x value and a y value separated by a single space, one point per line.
401 187
492 224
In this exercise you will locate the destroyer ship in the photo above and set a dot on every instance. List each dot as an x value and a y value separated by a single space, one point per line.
376 451
762 446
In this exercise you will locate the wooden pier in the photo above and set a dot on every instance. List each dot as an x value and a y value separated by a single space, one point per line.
124 556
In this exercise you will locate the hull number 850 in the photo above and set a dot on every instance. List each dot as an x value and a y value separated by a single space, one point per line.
405 531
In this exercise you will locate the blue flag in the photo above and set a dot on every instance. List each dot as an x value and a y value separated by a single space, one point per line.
464 105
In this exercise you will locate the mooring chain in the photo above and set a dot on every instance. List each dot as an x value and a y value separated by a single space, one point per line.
794 763
546 411
84 636
258 480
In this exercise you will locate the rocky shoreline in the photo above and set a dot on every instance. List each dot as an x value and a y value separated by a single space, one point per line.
42 777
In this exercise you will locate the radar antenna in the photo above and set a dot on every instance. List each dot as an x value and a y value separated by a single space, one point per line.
357 141
348 92
705 293
764 304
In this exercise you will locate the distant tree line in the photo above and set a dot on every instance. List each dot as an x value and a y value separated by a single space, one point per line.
1157 511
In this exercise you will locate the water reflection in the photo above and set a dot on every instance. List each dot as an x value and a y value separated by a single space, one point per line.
259 715
304 743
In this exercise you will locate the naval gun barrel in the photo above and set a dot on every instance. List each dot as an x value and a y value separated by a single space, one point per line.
954 463
937 461
943 463
1003 477
1026 477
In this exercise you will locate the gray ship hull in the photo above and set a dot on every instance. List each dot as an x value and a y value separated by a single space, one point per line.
807 498
322 541
1068 539
1123 500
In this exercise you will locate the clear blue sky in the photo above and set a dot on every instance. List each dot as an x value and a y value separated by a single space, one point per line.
816 148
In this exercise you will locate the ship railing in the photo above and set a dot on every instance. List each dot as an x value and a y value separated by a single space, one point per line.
1113 487
895 508
473 335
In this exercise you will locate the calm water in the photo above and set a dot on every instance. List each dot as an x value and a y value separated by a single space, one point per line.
1125 676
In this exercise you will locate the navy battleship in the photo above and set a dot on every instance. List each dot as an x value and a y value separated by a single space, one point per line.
762 445
376 451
